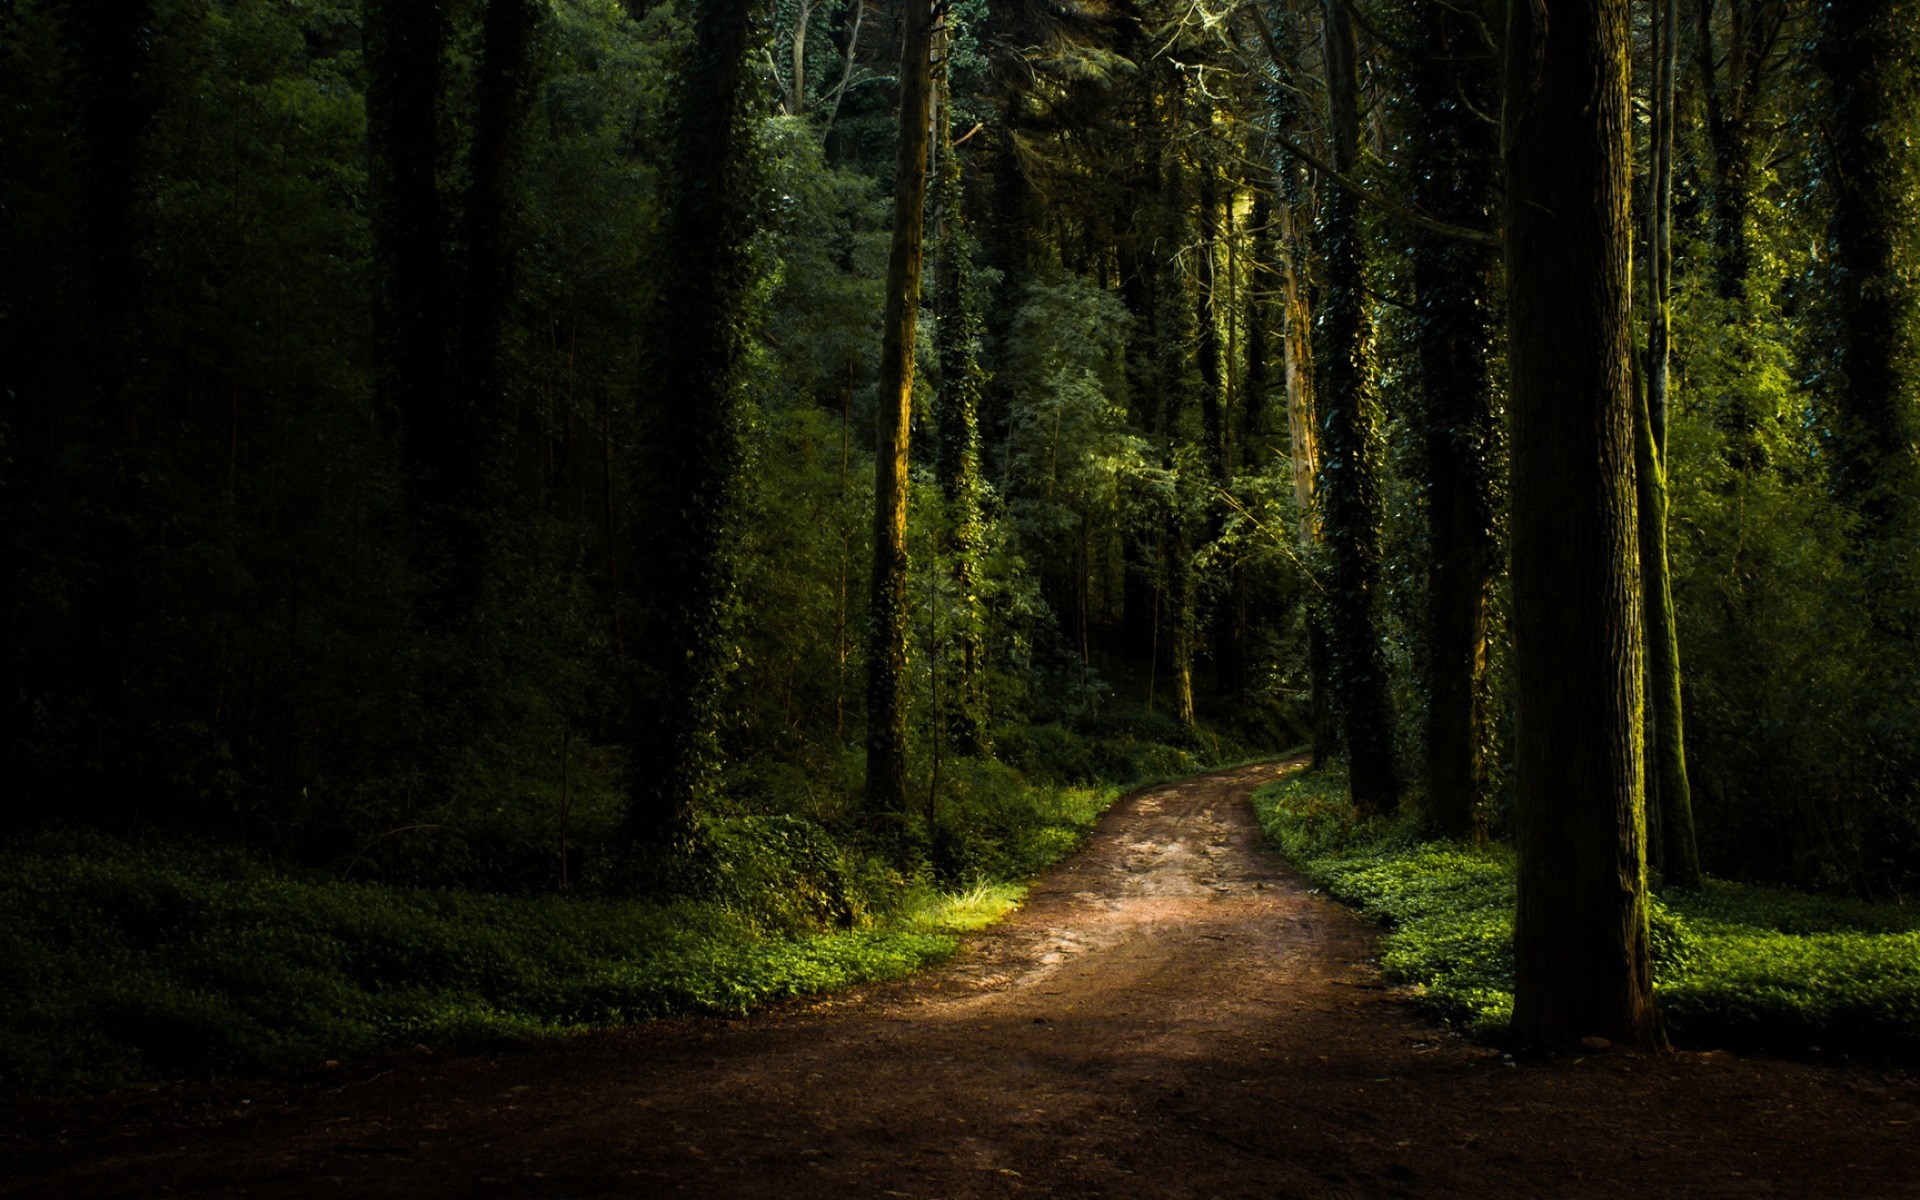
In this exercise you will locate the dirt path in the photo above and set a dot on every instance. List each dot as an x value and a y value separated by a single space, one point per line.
1171 1014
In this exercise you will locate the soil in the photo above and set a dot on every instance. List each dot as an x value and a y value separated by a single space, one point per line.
1171 1013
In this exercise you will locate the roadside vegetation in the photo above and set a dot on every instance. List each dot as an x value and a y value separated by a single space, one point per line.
1735 965
141 958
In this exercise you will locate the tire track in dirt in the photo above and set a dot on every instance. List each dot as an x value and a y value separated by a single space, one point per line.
1171 1013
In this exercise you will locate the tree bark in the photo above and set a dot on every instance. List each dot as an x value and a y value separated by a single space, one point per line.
1731 93
692 441
404 43
1303 443
1456 179
1580 930
886 784
1865 48
503 89
1350 500
958 339
1179 382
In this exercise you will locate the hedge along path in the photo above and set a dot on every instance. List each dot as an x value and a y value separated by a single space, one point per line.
1172 1013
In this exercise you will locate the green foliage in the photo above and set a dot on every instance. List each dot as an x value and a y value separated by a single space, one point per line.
1733 964
135 959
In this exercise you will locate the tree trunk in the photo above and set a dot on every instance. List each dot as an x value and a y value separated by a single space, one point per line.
886 785
1580 930
1456 180
1350 501
111 51
1668 791
1303 444
1866 50
503 89
692 440
1731 93
404 42
1180 385
958 337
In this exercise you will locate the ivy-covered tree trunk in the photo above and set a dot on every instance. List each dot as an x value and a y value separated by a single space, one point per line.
692 440
1580 930
1669 792
958 341
1866 49
1456 180
886 785
1349 487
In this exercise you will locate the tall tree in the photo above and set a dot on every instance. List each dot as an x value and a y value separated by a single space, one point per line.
1865 48
405 41
693 436
1669 792
1179 385
110 50
886 786
1350 502
1733 69
502 92
1456 180
1580 931
957 337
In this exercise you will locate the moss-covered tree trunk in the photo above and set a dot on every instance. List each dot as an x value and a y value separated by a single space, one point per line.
1349 488
886 785
1669 792
1580 930
1457 180
692 440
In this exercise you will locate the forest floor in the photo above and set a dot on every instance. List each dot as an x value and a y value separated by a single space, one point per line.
1171 1013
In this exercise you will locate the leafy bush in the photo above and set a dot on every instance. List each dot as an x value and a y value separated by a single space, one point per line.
1733 963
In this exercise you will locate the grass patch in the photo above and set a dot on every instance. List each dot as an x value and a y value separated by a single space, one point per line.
1734 964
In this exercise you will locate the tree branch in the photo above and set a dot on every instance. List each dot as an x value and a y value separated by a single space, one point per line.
1412 216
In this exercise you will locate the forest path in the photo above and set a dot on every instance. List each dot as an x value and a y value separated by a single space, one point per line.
1172 1013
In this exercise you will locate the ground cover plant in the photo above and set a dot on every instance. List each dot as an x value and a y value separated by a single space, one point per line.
1734 964
129 959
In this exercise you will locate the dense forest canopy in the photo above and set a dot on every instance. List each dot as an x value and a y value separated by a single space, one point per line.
440 437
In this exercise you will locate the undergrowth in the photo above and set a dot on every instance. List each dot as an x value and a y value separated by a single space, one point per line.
134 958
1734 964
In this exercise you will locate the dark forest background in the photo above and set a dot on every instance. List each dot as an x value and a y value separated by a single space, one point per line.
358 512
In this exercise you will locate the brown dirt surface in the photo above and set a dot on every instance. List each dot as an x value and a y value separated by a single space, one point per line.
1171 1013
